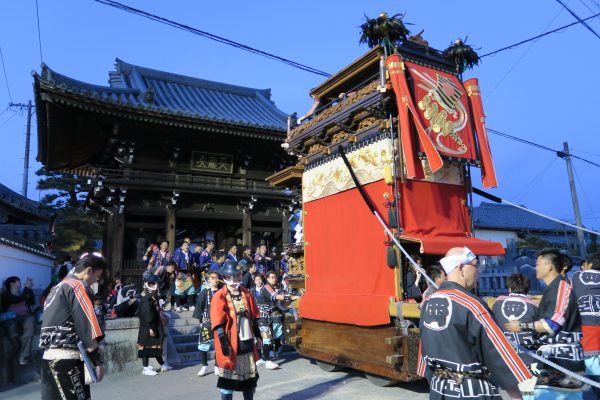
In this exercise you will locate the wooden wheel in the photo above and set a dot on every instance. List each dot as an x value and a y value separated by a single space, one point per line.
327 367
381 381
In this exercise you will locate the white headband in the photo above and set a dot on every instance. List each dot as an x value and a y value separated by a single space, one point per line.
450 263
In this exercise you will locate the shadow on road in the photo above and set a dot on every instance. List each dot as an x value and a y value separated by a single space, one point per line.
286 358
420 386
320 390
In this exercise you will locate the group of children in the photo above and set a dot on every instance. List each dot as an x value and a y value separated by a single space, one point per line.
191 281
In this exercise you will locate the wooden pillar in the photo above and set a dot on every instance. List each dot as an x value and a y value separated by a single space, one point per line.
115 235
285 229
170 229
247 229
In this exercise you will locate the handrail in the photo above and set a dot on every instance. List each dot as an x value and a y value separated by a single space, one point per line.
186 179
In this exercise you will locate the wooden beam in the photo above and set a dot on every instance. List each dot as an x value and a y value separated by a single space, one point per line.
170 229
247 229
148 225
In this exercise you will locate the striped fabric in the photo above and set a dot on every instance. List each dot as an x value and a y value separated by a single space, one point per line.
508 354
86 305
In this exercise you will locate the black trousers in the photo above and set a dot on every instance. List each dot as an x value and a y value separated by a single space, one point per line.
64 380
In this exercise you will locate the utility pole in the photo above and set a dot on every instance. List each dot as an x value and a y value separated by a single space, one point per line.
26 159
29 106
567 156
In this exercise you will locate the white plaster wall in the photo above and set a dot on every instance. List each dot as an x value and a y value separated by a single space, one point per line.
23 264
496 236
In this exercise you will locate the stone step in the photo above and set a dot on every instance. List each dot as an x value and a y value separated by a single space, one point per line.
185 338
183 348
194 356
184 330
183 322
181 315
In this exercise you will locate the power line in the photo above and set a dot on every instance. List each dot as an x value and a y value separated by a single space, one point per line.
558 153
589 28
527 188
586 6
211 36
512 46
596 3
37 11
521 58
9 118
5 76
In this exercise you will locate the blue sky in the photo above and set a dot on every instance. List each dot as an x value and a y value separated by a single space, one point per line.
545 92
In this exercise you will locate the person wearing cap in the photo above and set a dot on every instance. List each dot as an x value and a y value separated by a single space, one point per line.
151 331
558 326
479 353
233 315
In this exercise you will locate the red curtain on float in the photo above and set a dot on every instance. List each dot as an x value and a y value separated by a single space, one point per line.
436 215
396 70
348 280
488 173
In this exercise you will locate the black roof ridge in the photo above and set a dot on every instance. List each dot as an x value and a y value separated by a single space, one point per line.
27 205
126 68
54 78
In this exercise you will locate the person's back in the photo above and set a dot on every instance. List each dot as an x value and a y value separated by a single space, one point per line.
517 306
126 293
69 328
448 312
586 289
464 353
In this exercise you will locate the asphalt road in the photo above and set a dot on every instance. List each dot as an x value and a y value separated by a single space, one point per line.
297 379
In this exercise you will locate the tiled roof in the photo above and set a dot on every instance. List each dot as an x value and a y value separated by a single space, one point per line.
501 216
147 89
30 232
15 200
22 244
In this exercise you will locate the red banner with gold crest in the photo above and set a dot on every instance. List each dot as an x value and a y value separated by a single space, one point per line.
443 109
406 107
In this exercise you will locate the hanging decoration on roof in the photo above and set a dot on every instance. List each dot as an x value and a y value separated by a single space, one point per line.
375 31
462 55
488 173
406 108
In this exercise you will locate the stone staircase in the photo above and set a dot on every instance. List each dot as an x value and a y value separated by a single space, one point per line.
184 329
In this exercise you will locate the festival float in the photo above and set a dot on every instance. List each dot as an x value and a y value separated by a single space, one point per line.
384 155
